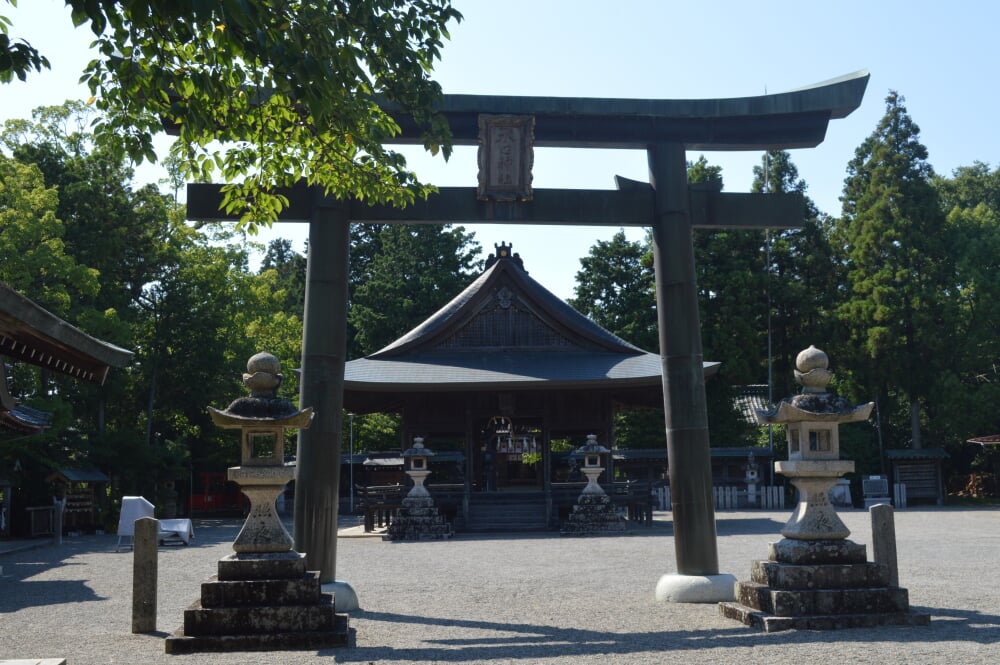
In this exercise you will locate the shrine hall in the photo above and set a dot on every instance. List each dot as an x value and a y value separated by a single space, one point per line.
491 380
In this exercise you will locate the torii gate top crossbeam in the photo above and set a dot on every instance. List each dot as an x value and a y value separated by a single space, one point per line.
795 119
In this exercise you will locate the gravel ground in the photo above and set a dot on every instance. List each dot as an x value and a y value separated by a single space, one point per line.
519 599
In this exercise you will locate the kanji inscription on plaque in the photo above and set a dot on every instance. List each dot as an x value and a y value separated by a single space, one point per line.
506 155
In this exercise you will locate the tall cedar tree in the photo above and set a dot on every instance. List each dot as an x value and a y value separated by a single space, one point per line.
895 249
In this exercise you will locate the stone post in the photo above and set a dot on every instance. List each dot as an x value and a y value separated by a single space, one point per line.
884 539
144 574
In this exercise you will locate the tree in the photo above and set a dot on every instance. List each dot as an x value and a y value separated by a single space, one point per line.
33 258
417 269
894 245
801 279
291 89
964 397
615 288
289 274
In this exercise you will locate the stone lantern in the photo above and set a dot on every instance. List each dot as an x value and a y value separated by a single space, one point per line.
419 458
262 419
751 476
418 518
814 578
812 419
263 597
592 469
594 512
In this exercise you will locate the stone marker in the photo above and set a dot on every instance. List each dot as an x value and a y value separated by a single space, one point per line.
144 574
884 540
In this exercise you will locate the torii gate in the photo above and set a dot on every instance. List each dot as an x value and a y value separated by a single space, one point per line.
665 129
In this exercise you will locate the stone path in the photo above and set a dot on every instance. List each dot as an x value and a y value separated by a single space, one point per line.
537 598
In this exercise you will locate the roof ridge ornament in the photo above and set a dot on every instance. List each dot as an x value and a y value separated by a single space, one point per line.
504 251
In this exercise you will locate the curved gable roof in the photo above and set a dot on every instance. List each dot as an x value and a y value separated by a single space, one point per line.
505 331
505 308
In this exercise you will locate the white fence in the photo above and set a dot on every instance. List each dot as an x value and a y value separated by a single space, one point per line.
768 497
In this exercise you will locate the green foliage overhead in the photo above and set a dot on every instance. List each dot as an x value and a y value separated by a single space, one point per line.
287 89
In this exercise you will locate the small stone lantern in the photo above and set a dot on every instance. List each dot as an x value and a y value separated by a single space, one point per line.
419 466
418 518
262 419
592 468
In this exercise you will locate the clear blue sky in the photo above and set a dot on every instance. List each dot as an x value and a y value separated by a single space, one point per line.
941 57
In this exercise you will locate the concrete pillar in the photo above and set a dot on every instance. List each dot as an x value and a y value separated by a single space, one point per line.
145 544
324 347
685 410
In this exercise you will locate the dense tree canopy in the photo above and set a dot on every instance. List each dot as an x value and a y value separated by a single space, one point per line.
417 268
290 89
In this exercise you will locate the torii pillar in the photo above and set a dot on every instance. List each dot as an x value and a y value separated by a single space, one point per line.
684 404
665 129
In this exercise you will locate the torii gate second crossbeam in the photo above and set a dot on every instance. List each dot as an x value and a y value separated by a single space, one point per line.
665 129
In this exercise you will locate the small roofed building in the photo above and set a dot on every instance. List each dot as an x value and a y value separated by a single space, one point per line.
496 375
31 334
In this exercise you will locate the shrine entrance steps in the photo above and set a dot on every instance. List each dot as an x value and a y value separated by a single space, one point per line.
506 512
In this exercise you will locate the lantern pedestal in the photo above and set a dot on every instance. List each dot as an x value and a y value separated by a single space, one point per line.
814 517
262 531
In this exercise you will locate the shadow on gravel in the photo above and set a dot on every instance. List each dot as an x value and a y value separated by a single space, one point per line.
529 642
22 594
745 526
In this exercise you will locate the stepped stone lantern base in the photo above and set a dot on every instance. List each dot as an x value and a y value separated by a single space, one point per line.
594 513
262 598
815 578
418 518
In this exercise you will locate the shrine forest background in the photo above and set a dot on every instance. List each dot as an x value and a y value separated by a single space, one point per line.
901 288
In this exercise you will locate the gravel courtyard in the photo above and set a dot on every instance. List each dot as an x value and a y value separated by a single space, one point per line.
519 598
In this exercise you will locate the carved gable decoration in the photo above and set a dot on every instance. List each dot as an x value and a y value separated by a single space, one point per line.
504 321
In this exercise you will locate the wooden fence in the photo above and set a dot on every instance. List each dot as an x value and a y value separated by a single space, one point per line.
769 497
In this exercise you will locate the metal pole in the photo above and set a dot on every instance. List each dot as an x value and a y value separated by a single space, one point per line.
684 402
352 463
324 346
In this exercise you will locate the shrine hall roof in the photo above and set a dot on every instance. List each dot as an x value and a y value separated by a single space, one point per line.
505 331
34 335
